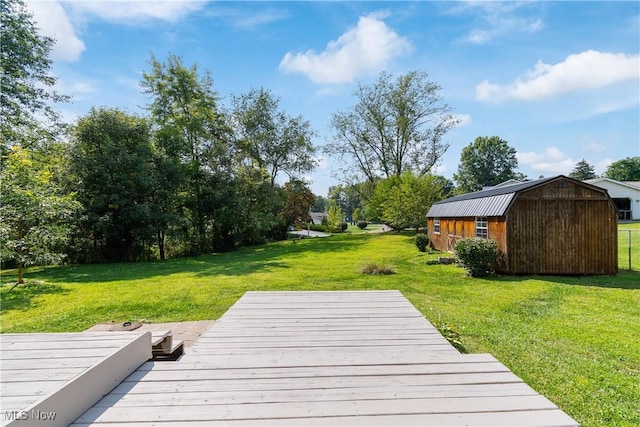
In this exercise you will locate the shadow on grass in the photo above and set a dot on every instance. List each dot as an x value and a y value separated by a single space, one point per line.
279 255
623 280
22 296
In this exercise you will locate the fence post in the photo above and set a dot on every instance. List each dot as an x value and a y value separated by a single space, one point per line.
629 246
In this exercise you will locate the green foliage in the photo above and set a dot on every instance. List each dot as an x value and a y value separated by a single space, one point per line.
403 202
335 218
478 256
397 125
27 93
319 227
271 139
485 162
193 135
422 241
319 204
627 169
450 333
36 215
112 164
375 269
347 198
582 171
362 224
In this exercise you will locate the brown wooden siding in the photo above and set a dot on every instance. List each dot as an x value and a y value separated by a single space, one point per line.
562 236
453 229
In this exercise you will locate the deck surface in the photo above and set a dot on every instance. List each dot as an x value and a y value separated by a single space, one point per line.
324 359
59 375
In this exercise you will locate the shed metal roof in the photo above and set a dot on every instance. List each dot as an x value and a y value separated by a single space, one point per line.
490 202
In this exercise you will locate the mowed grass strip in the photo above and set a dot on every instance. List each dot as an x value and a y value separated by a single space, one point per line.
575 340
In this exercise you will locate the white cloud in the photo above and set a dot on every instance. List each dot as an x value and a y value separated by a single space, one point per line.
579 72
366 48
120 11
259 19
591 146
552 160
465 119
499 19
60 19
53 22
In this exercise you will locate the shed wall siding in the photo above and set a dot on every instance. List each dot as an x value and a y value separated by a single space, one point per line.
562 237
453 229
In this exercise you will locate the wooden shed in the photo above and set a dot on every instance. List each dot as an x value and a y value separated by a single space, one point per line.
550 226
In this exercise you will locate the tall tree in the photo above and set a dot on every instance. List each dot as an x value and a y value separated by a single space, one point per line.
485 162
299 199
27 94
36 215
347 197
271 139
583 170
190 129
113 160
403 201
624 170
395 126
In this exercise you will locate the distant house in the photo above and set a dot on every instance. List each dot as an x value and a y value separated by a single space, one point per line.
317 217
625 195
550 226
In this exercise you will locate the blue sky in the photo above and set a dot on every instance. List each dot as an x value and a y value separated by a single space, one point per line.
560 81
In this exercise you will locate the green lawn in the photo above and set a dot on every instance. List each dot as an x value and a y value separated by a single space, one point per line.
623 246
575 340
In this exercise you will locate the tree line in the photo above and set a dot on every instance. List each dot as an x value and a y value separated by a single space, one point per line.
194 176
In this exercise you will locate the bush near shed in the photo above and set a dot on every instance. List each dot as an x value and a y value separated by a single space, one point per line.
478 256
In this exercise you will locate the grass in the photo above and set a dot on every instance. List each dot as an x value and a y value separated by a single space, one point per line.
576 340
623 246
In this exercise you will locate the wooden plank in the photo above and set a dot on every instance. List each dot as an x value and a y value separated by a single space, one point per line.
52 373
537 418
317 409
73 397
119 338
48 354
313 383
425 359
19 365
384 371
226 397
62 347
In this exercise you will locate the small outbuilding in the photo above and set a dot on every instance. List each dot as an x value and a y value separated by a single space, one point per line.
549 226
625 195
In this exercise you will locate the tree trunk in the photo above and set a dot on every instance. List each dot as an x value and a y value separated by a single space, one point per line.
161 244
20 278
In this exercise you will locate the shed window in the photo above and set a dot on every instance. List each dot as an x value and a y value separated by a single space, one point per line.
436 225
482 229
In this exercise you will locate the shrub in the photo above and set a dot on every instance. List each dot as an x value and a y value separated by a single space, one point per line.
361 224
478 256
319 227
422 240
344 226
377 270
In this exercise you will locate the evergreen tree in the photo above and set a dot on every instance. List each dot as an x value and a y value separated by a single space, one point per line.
583 171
